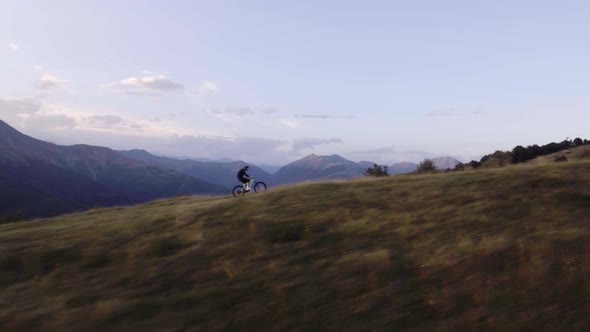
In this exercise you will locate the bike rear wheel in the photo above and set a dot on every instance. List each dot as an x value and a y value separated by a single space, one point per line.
259 187
238 191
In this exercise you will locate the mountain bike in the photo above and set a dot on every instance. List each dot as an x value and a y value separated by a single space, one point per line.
257 186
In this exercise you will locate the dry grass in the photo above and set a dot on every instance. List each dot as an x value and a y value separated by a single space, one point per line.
573 154
503 249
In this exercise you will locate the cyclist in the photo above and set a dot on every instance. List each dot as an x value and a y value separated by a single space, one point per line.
244 178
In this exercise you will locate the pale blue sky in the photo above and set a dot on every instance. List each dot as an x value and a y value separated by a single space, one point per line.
272 81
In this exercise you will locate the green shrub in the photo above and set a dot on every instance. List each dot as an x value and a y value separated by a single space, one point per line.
377 171
426 166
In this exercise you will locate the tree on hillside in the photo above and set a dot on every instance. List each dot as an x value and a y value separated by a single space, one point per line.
474 164
426 166
552 147
566 144
536 150
377 171
459 167
496 159
521 154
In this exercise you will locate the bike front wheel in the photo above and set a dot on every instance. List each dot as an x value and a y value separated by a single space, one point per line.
259 187
238 191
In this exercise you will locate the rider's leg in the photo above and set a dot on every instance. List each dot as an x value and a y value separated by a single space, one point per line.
245 183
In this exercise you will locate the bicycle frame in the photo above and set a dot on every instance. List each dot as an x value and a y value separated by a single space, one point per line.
256 186
250 183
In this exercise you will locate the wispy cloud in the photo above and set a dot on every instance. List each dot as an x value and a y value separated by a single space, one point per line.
452 113
230 114
143 93
234 114
50 122
445 113
158 82
13 107
177 115
389 154
237 111
105 120
324 116
122 130
29 114
208 87
309 143
13 46
382 150
243 147
48 81
270 111
289 123
152 86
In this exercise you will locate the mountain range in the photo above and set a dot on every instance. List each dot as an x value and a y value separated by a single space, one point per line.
441 163
318 168
44 179
219 173
310 168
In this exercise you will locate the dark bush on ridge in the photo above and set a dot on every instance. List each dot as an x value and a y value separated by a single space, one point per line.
426 166
377 171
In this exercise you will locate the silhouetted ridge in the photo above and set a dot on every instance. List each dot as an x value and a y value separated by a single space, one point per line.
44 179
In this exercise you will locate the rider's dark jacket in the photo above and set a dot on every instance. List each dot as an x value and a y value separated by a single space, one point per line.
243 176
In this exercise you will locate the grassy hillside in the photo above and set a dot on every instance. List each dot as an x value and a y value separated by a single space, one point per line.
503 249
577 153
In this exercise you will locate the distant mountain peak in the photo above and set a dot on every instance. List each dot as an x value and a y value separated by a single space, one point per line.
139 150
310 156
4 125
337 157
333 157
443 163
315 167
6 130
